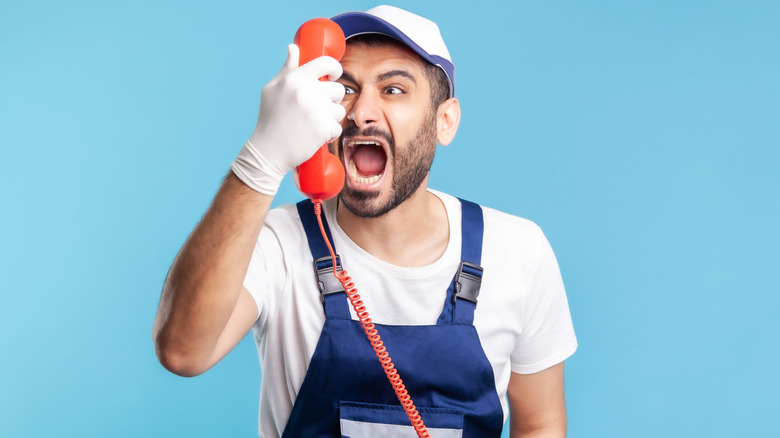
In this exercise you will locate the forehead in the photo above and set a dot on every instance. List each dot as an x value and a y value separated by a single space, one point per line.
381 56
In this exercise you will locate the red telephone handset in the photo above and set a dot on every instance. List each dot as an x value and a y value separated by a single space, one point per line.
321 176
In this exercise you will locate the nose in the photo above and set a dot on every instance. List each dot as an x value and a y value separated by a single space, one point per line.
365 110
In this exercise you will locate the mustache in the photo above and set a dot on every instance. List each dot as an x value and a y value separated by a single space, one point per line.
371 131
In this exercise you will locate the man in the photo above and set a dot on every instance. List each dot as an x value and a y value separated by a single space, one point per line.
460 339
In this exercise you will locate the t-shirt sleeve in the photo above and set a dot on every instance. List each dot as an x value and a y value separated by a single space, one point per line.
266 273
547 336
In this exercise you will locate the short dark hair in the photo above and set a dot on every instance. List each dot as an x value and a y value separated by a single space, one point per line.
440 85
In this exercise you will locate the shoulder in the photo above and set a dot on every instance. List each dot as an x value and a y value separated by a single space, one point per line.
283 219
282 214
503 232
514 243
282 227
511 226
498 223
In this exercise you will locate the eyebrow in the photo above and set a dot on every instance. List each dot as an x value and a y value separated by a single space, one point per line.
382 77
393 73
346 76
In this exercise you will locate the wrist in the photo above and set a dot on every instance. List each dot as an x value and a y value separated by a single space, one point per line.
257 172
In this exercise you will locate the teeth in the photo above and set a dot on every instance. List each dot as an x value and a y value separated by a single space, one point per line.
360 179
363 143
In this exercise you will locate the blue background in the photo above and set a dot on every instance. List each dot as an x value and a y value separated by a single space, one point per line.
641 136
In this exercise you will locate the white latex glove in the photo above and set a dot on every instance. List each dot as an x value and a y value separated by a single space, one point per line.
298 114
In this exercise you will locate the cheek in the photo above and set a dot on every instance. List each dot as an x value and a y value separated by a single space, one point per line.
404 123
402 120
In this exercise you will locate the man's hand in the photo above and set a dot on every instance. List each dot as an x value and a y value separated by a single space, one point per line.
298 114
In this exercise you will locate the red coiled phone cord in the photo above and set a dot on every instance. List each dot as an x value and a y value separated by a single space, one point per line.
373 336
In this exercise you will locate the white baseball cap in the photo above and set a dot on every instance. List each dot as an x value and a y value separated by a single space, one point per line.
419 33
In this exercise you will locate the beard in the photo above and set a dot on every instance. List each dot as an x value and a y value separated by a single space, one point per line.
410 168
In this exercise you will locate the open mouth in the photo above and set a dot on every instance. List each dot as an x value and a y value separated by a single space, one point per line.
366 161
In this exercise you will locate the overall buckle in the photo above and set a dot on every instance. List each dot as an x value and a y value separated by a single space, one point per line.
468 281
326 281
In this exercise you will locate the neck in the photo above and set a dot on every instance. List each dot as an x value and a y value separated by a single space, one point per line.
414 234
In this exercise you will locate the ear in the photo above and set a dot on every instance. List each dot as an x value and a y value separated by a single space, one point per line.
447 121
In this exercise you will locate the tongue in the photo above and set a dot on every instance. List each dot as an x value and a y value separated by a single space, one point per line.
369 160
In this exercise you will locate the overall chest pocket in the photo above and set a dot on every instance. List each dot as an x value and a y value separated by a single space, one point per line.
369 420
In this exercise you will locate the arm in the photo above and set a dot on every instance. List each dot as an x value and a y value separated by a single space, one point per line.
205 309
536 404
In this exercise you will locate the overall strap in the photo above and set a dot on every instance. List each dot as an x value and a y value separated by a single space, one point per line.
464 289
334 303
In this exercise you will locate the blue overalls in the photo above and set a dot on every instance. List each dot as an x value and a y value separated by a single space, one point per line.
346 392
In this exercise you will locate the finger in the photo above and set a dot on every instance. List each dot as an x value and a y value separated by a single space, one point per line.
323 66
333 90
339 112
335 132
293 54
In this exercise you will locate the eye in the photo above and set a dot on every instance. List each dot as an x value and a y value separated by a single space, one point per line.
349 90
394 90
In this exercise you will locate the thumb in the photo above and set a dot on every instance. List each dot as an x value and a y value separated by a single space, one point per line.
293 54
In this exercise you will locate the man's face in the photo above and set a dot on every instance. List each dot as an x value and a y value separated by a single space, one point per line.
389 137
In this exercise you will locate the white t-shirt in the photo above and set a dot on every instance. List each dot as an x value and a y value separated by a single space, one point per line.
522 315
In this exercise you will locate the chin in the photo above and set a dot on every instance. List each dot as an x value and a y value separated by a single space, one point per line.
365 204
